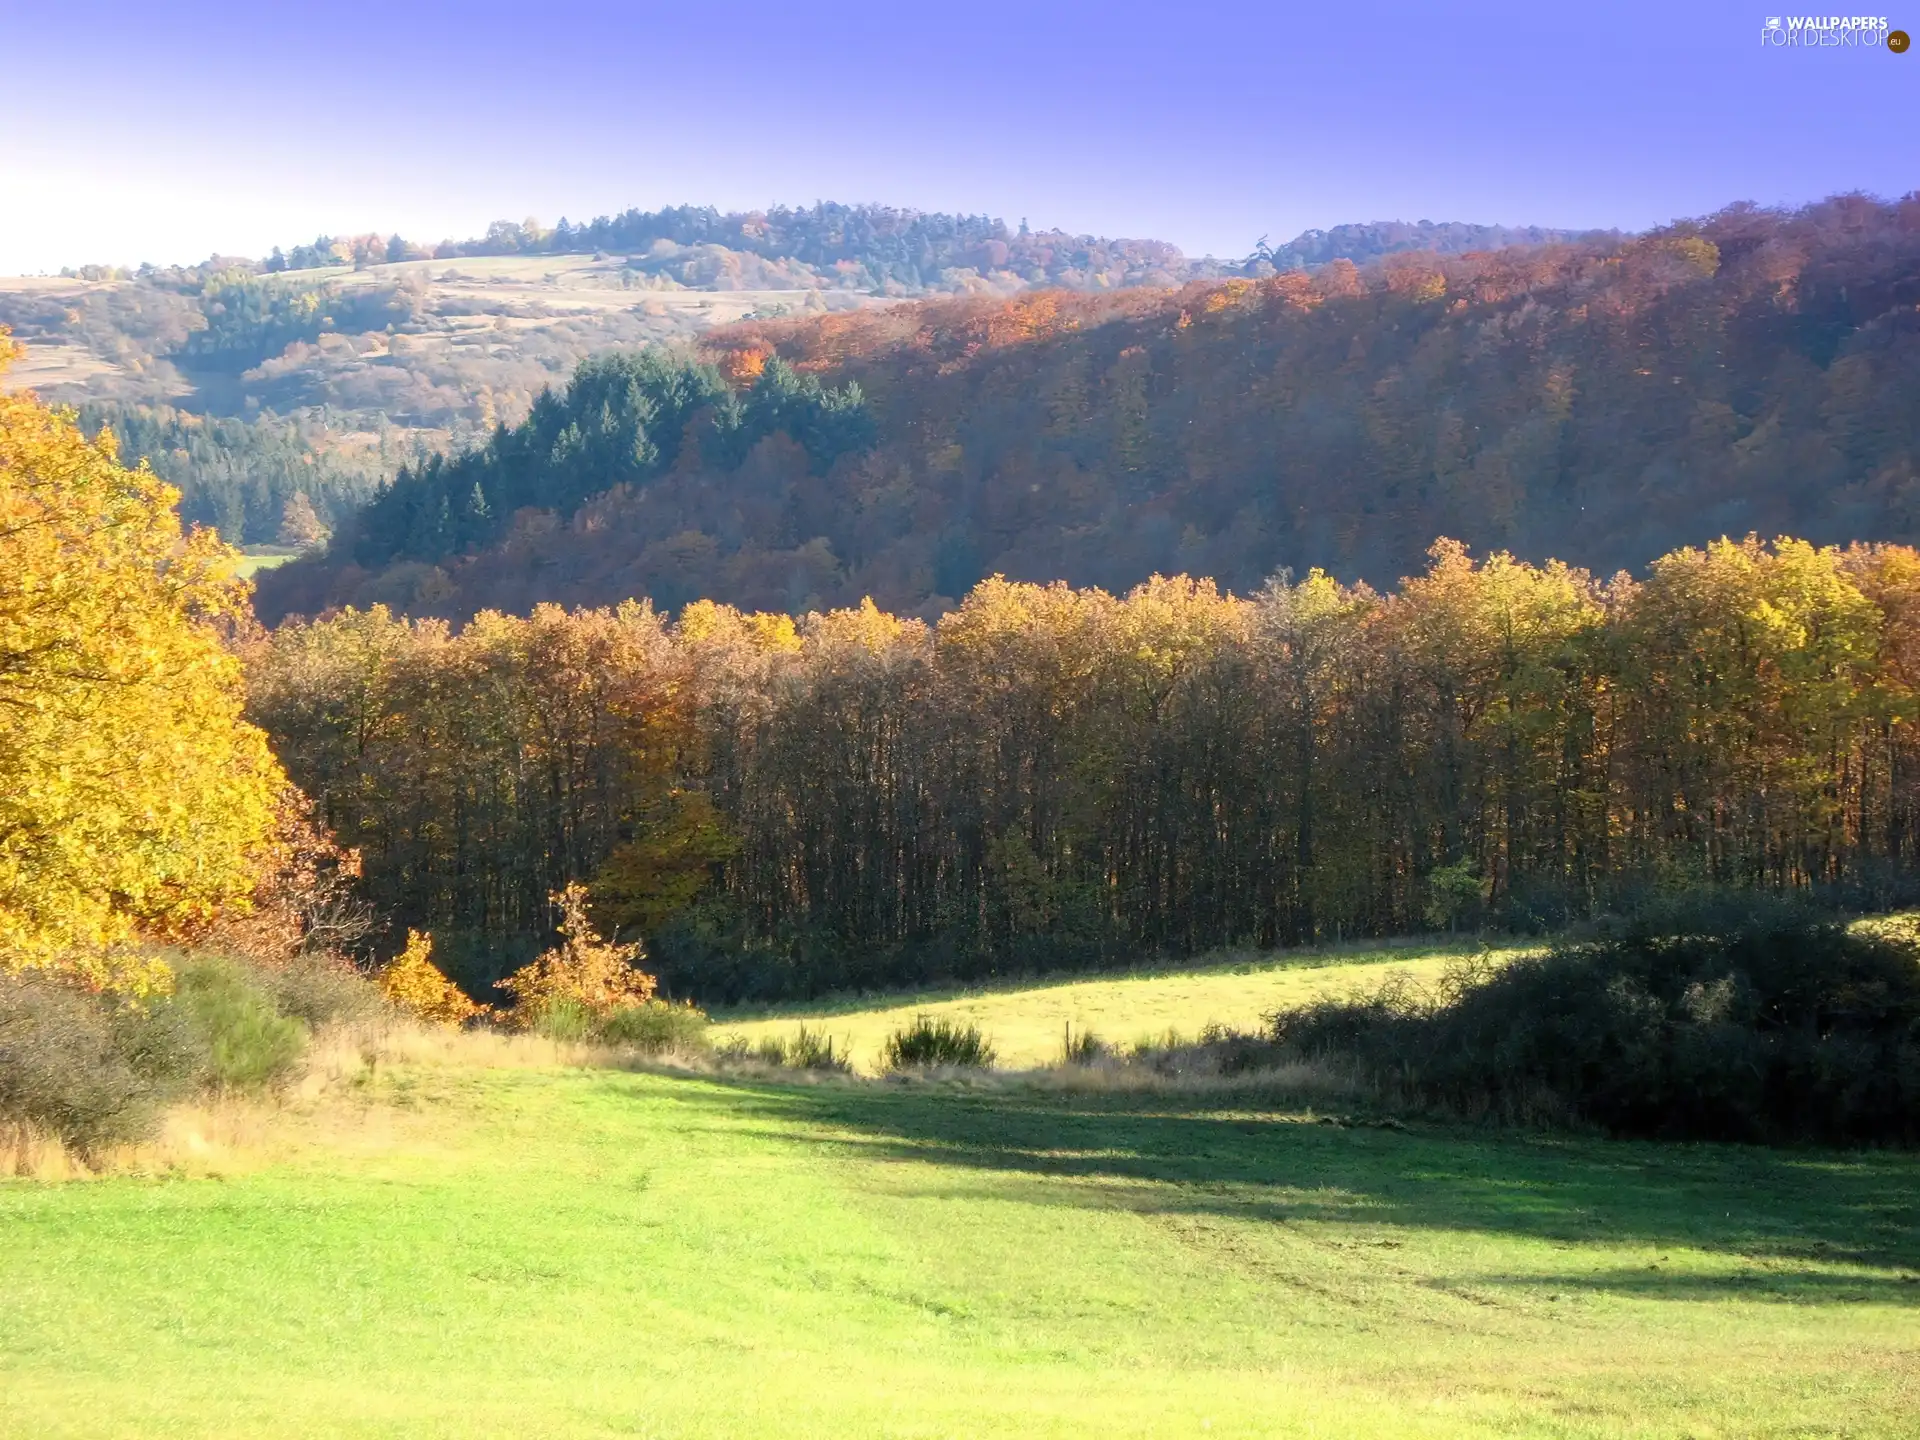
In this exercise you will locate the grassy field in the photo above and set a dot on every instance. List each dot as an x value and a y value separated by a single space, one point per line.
578 1252
482 322
252 562
1027 1023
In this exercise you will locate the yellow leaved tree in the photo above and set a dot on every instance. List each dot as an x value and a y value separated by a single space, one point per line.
134 797
585 969
413 983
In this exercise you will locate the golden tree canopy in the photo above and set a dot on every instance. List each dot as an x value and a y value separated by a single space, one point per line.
133 795
413 983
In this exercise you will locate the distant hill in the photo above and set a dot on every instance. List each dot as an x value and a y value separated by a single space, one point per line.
484 324
1600 401
367 365
1361 243
294 383
351 353
860 247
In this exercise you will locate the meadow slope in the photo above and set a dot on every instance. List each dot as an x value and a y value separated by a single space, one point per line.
445 1249
586 1253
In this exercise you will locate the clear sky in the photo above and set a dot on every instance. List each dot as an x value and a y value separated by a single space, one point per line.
144 130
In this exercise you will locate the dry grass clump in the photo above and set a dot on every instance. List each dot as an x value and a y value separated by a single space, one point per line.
334 1096
1218 1062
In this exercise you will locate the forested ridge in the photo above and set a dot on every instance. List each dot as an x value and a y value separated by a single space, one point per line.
1601 401
624 419
850 245
883 245
1052 777
369 348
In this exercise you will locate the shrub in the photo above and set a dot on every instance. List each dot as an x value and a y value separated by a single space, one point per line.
414 985
160 1041
1085 1048
771 1051
558 1017
584 969
807 1050
1146 1046
325 990
250 1044
1760 1024
930 1042
1235 1053
61 1072
813 1050
738 1050
656 1028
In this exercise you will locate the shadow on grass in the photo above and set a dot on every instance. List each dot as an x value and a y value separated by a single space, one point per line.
1775 1282
1795 1214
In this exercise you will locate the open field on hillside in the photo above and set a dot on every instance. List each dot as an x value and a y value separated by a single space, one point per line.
500 326
1027 1022
252 562
50 366
461 1252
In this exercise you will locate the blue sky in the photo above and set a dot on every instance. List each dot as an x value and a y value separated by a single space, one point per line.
153 131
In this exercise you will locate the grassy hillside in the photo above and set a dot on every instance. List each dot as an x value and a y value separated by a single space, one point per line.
437 346
585 1253
1027 1023
252 562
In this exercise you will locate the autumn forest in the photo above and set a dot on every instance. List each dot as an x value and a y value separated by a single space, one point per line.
1601 401
1049 778
972 637
1167 801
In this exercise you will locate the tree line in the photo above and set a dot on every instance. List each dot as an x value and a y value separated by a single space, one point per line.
1371 241
1051 777
856 245
882 244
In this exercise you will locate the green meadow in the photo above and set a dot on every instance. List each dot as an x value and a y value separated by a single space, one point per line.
252 562
443 1248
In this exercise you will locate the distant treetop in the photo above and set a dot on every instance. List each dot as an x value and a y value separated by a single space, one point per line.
884 247
1360 243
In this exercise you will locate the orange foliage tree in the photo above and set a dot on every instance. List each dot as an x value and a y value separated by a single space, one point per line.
413 984
583 968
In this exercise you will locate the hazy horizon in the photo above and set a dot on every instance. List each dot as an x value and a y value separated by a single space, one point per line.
221 129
